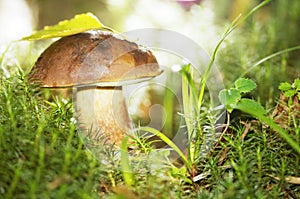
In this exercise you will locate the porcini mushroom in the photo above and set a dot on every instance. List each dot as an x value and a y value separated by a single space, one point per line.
97 63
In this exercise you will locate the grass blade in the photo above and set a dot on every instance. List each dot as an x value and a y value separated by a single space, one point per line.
272 124
125 164
269 57
168 142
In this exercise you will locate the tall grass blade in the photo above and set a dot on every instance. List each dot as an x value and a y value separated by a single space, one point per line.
168 142
238 20
273 125
125 164
269 57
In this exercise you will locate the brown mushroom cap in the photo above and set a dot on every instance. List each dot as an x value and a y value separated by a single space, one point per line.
93 57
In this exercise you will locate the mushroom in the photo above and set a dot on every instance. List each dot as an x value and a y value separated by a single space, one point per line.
97 63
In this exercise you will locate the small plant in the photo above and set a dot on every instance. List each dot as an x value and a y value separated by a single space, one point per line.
290 90
287 111
232 99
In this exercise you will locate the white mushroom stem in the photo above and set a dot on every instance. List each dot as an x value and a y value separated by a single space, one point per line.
102 111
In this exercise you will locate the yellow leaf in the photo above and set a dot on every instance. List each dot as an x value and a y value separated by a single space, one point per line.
78 24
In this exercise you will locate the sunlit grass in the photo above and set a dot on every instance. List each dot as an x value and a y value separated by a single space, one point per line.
43 156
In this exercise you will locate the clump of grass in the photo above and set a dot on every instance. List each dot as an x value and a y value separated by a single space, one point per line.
43 156
256 156
41 153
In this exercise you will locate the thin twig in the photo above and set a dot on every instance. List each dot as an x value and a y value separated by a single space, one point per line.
223 132
247 128
288 179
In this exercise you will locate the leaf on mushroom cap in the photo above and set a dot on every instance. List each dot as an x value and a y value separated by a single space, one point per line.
93 57
78 24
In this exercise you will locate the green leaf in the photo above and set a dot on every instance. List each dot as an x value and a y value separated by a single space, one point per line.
285 86
297 84
229 98
290 93
80 23
245 85
250 106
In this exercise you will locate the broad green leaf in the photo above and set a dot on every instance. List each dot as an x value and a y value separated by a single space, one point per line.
285 86
245 85
250 106
229 97
80 23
